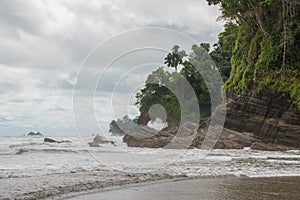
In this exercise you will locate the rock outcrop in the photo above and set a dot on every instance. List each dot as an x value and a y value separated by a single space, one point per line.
169 139
271 117
261 121
93 144
49 140
100 140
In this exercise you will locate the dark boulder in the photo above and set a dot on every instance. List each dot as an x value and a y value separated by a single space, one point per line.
50 140
93 144
55 141
98 139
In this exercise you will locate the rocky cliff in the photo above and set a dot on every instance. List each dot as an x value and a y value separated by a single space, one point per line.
263 121
260 58
271 117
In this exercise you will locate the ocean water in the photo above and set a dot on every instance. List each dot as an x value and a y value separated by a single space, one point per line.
28 165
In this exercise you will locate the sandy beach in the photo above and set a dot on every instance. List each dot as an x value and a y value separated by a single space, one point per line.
241 188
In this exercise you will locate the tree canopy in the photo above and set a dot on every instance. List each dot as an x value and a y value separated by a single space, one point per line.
258 50
158 88
266 52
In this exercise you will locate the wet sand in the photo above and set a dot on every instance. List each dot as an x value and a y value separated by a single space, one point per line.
205 188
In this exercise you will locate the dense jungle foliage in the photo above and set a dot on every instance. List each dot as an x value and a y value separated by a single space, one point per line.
258 50
168 88
266 55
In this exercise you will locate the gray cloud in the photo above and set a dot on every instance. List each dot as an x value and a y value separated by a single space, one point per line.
43 43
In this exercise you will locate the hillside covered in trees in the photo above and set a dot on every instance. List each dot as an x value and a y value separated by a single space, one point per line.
266 53
258 56
159 84
260 46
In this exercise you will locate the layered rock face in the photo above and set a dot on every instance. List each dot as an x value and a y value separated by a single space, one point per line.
263 121
271 117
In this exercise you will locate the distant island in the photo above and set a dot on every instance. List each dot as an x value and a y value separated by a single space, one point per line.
34 134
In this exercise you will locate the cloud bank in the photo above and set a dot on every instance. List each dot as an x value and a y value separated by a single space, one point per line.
43 43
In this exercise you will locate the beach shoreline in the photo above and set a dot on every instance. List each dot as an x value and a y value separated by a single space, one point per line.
166 179
57 170
220 187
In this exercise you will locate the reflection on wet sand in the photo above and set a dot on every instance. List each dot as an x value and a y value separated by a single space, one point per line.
207 188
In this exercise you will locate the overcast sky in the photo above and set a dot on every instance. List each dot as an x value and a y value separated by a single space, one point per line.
44 43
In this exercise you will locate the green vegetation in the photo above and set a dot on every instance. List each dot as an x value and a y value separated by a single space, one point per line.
167 88
259 50
266 54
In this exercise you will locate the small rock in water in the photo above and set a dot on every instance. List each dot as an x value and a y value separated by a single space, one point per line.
50 140
21 151
100 140
55 141
93 144
262 146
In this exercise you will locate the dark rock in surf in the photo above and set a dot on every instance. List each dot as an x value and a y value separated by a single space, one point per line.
50 140
55 141
262 146
261 121
21 151
100 140
93 144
